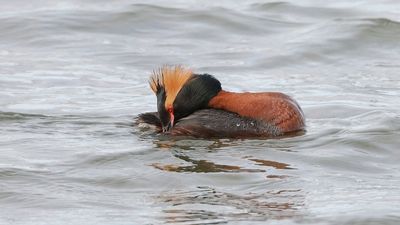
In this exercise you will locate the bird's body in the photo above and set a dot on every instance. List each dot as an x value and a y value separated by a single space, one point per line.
273 108
200 108
214 123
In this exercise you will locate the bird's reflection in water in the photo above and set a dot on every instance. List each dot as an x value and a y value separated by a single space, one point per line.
202 166
215 205
181 150
269 163
210 206
187 143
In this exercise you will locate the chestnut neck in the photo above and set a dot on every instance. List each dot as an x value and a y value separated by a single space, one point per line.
225 100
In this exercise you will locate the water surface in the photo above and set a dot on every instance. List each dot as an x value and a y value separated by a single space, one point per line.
73 75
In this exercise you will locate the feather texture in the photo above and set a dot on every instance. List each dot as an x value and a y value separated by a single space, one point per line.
171 79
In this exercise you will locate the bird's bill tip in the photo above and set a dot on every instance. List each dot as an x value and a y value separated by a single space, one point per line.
170 123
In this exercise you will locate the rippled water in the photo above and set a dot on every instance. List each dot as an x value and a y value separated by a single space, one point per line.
73 75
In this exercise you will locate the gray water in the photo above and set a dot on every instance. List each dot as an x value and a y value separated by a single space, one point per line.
73 75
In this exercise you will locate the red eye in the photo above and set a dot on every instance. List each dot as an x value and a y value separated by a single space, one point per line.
170 110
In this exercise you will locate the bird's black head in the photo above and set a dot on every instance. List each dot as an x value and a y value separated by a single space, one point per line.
180 93
195 94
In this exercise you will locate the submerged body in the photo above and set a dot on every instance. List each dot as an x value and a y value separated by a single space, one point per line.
214 123
195 105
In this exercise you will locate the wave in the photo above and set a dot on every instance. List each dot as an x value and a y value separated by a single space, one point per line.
7 116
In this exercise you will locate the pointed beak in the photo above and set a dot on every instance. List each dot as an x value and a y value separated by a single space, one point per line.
171 122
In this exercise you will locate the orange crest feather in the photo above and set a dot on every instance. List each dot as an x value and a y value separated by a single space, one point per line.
172 79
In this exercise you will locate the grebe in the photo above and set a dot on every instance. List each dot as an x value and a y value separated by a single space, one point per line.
192 104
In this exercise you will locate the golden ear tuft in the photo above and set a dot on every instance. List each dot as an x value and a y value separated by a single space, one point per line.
172 79
156 80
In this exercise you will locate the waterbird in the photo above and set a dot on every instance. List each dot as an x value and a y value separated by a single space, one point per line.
190 104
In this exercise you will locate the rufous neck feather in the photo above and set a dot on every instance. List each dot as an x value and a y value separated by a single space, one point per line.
172 79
